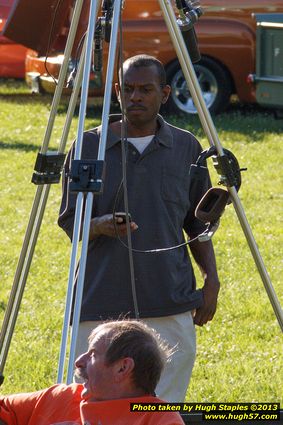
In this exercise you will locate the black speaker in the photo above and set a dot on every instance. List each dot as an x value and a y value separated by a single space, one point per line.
212 205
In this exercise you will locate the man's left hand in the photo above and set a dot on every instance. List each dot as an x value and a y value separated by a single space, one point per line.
206 312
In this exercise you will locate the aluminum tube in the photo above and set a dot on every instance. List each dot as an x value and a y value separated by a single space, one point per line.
85 84
70 289
85 65
37 209
109 80
212 136
80 286
22 271
62 75
20 265
89 200
73 102
257 258
189 74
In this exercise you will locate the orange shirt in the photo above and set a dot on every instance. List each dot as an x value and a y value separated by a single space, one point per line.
62 405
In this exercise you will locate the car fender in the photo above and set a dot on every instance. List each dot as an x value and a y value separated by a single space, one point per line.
229 42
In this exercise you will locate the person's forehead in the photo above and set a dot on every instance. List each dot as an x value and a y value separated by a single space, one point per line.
98 341
141 75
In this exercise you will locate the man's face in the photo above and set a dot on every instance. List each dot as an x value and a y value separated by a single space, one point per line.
143 94
98 377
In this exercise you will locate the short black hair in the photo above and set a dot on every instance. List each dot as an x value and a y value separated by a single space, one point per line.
139 61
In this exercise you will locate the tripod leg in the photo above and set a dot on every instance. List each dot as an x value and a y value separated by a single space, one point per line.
62 74
69 297
258 259
84 72
190 75
80 282
37 209
21 274
209 128
73 102
78 218
89 199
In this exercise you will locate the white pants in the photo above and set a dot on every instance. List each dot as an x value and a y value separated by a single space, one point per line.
177 330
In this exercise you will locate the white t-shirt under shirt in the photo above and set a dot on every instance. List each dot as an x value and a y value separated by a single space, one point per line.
140 143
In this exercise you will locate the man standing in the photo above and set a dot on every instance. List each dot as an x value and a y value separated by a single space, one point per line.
162 200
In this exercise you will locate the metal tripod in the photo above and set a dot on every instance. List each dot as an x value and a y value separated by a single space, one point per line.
48 169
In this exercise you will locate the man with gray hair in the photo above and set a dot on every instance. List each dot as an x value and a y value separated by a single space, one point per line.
121 367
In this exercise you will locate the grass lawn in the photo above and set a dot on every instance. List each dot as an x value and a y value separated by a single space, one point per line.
240 351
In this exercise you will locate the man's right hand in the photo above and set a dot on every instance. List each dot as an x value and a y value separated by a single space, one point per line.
104 225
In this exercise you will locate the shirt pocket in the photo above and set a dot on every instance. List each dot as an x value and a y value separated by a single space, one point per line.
175 187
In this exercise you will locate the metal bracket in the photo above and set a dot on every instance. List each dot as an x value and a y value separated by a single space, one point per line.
226 165
228 168
48 168
87 176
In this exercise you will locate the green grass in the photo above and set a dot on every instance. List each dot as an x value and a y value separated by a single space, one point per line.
240 351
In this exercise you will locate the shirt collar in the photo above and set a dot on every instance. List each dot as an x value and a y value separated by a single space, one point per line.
163 134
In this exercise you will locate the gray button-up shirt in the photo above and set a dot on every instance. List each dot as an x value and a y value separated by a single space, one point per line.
162 201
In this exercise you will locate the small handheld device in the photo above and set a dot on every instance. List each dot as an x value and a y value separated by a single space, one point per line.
123 216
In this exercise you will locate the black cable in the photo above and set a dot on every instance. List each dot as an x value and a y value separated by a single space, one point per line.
123 183
146 251
158 250
124 137
124 179
78 52
49 41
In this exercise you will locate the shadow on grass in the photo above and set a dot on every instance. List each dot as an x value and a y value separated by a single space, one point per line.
27 147
27 98
94 107
252 121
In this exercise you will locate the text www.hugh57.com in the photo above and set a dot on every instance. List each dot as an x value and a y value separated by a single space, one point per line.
240 416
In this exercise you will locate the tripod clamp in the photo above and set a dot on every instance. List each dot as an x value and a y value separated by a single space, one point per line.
212 205
87 176
102 33
189 13
107 11
226 165
48 168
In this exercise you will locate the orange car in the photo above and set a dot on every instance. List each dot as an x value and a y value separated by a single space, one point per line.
12 55
226 36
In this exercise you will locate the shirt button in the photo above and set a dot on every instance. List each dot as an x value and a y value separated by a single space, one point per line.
134 153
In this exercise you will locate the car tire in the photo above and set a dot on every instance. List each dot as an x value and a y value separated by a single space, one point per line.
215 84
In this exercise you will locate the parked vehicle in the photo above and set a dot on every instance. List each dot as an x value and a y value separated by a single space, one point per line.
12 55
268 78
227 41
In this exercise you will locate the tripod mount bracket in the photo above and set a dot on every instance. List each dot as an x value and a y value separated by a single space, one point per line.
228 168
226 165
48 168
87 176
